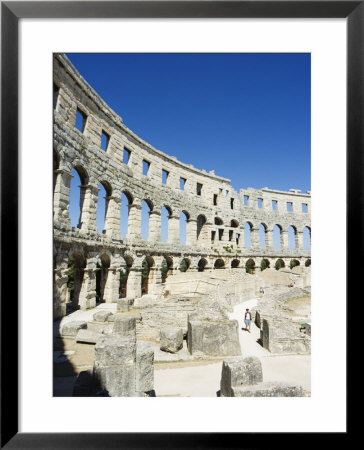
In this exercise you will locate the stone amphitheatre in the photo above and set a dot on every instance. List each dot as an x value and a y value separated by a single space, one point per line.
144 317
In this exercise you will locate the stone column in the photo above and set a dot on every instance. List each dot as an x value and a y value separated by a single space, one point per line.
112 220
205 236
284 240
299 240
88 201
134 286
155 276
155 226
111 290
173 229
134 222
60 279
191 232
296 241
61 199
254 238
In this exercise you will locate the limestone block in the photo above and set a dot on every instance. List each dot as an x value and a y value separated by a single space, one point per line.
284 337
144 367
115 349
88 336
111 318
239 371
118 380
171 339
101 316
72 328
124 324
123 305
213 338
108 329
271 389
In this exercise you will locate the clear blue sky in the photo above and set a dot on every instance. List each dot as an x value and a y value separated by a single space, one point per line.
247 116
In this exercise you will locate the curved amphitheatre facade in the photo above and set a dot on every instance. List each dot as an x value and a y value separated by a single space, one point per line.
216 214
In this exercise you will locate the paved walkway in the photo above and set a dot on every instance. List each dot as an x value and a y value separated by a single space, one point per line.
204 381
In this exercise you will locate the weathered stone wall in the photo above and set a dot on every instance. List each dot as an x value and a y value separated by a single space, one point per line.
215 218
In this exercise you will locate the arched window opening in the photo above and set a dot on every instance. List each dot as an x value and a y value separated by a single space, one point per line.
250 266
125 265
235 263
76 266
308 263
279 264
234 223
165 215
102 266
184 265
201 220
146 209
294 263
126 202
147 263
265 264
306 238
262 234
102 205
218 221
247 234
219 264
166 268
277 232
77 195
202 264
292 232
183 218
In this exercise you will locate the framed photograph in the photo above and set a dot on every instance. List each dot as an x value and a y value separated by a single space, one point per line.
36 36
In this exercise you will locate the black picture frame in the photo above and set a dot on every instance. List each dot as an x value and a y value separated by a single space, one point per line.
11 12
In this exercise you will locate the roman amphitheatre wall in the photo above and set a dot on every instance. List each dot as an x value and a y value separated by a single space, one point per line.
216 215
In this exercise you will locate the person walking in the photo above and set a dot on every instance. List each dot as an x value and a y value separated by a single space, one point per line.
247 319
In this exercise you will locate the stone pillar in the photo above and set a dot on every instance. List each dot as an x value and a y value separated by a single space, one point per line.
134 286
205 236
191 232
284 240
60 291
134 222
88 201
269 243
299 240
61 199
87 296
155 276
254 238
155 226
112 220
111 291
296 240
173 229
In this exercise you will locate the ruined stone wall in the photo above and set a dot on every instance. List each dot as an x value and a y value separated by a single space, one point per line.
216 208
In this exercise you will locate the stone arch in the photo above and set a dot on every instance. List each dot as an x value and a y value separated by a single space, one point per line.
264 264
218 221
184 264
234 223
250 266
293 263
202 264
184 218
263 229
292 237
277 236
125 264
166 267
219 264
248 228
306 236
279 264
77 195
201 227
76 265
147 208
308 262
235 263
147 264
102 269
